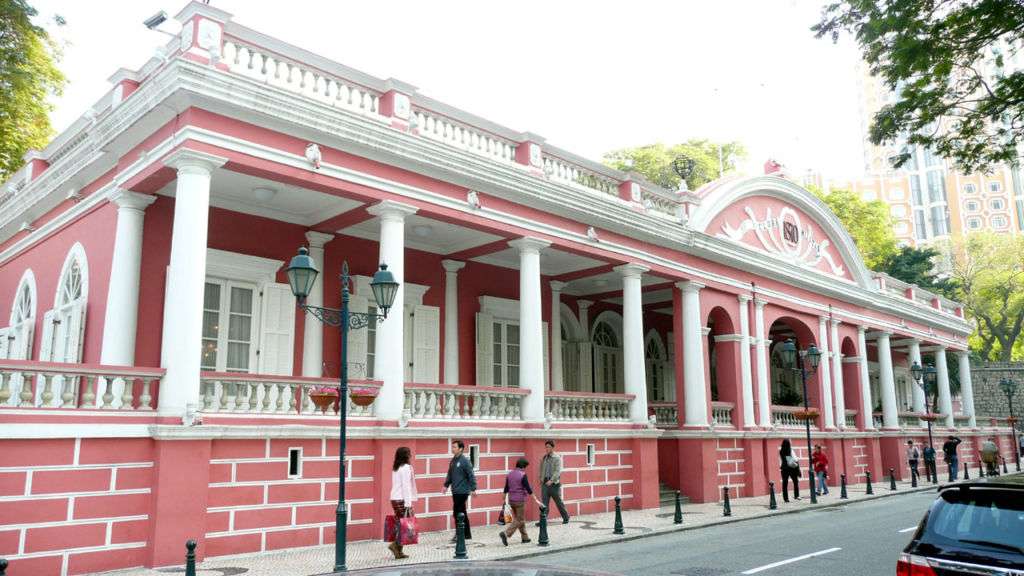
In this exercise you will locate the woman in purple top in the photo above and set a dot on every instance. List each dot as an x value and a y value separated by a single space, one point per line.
517 488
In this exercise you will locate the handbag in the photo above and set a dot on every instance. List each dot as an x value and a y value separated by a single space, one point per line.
791 462
410 533
501 517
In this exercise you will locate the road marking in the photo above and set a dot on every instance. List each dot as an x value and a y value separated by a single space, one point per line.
790 561
911 529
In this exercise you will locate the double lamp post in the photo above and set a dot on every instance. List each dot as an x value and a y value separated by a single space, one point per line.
805 363
1009 387
302 274
927 378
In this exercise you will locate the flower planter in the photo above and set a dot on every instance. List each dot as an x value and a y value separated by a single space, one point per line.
323 401
930 417
362 396
804 415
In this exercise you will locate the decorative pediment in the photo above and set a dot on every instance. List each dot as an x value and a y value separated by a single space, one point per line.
784 234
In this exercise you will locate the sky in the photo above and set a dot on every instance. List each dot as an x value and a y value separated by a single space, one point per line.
590 76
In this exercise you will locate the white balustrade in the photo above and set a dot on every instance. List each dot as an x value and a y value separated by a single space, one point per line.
666 414
28 384
785 416
561 171
876 420
909 420
721 413
661 202
241 393
961 421
851 418
267 67
443 129
583 406
448 402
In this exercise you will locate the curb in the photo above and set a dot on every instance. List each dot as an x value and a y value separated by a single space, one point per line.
676 529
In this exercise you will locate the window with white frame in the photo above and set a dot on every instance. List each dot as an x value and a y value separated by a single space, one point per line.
64 326
999 221
972 206
994 186
898 211
974 223
970 188
371 343
505 353
654 355
229 321
997 204
897 194
16 339
607 359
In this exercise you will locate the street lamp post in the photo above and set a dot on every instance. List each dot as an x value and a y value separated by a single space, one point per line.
795 360
927 378
302 273
1009 387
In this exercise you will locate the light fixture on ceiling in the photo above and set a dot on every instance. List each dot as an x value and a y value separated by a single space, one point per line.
422 230
600 283
264 194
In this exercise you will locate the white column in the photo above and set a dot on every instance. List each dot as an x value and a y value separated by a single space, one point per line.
865 379
313 329
556 335
633 339
451 320
694 388
186 279
945 399
918 402
764 391
745 367
586 383
966 386
837 376
122 313
531 326
825 374
887 383
389 361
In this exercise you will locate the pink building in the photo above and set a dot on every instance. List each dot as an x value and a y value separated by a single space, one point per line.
155 376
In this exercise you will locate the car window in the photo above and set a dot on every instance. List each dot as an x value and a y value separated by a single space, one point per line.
976 516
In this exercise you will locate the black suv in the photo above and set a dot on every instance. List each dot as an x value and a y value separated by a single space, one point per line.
974 528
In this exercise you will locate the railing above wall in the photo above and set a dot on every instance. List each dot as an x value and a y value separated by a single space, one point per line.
666 414
241 393
851 418
587 406
721 413
451 402
33 384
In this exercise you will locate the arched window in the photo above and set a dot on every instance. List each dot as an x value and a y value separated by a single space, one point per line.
604 335
16 339
654 355
64 326
608 369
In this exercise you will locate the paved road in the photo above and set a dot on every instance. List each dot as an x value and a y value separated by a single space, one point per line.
857 540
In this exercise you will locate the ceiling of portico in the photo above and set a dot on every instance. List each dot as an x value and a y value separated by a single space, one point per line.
239 193
422 233
552 261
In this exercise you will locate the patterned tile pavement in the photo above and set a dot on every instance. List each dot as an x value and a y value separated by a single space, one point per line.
582 531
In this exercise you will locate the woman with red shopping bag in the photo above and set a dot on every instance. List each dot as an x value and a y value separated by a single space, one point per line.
400 529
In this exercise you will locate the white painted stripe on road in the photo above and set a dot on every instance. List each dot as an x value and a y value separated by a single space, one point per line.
790 561
905 530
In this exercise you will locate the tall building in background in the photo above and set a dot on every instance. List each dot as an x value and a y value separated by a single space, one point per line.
929 199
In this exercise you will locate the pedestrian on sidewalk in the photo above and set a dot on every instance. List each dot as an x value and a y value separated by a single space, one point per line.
790 471
820 462
949 454
551 479
1020 445
517 488
990 456
913 455
403 495
462 481
929 464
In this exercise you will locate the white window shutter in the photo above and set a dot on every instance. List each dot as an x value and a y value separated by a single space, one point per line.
5 334
547 355
670 340
24 348
277 330
75 333
484 349
426 326
46 346
357 368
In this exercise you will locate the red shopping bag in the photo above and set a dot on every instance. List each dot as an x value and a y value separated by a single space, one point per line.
409 534
390 527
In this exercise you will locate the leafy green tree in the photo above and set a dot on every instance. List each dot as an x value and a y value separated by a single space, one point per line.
945 60
654 161
917 266
988 273
28 76
868 222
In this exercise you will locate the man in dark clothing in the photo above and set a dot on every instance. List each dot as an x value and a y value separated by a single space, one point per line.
949 454
462 481
929 464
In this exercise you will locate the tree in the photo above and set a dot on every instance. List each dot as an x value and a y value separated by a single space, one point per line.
945 60
868 222
916 266
988 272
28 76
654 161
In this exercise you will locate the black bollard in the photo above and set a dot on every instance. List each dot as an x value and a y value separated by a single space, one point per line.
3 567
460 537
913 478
773 504
967 471
892 479
869 491
1005 471
726 507
190 558
619 528
981 471
542 538
678 517
842 487
814 489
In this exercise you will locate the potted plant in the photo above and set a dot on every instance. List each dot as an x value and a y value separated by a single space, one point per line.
323 397
809 414
930 417
363 395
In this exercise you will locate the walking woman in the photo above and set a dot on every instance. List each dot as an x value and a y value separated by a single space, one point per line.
517 488
403 495
790 471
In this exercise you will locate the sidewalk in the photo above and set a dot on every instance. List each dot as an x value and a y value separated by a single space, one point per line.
581 532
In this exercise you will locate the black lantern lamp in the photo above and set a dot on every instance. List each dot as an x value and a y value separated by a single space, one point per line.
302 273
385 288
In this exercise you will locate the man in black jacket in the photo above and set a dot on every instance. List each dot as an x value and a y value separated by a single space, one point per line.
462 481
950 456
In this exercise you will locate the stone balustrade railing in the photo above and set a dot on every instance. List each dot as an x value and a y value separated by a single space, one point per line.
450 402
876 420
587 407
850 418
28 384
666 414
444 129
785 417
721 413
663 202
909 420
265 66
961 421
240 393
566 172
